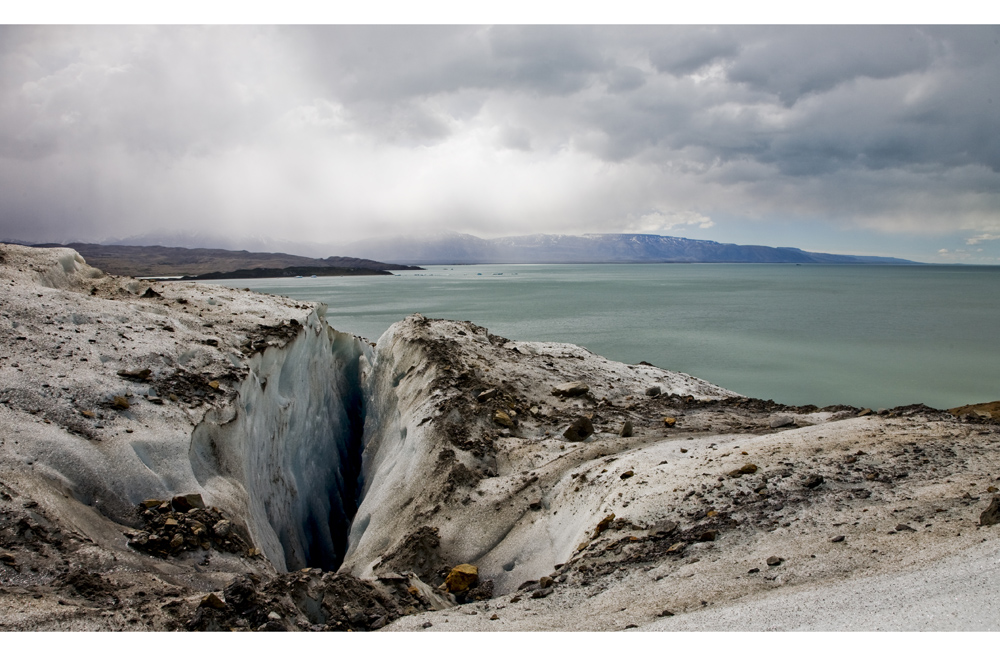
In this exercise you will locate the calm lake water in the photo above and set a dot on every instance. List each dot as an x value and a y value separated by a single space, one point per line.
875 336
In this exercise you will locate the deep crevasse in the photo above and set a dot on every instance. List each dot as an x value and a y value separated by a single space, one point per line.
289 452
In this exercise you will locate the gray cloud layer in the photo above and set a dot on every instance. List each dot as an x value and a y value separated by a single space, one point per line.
336 133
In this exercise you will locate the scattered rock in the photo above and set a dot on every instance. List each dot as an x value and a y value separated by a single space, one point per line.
865 412
89 414
837 538
461 578
7 558
781 421
708 536
774 561
991 515
663 527
653 391
503 419
813 481
579 430
494 616
628 474
535 505
666 613
575 388
211 600
753 570
546 582
602 525
120 403
149 293
222 528
487 395
744 470
669 422
136 374
185 502
626 430
904 527
677 547
426 625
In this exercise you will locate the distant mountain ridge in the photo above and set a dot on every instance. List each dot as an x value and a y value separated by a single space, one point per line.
458 248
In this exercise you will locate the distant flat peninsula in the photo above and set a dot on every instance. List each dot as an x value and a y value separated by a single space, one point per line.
220 264
288 272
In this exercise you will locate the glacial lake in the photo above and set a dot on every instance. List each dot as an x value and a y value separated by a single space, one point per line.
873 336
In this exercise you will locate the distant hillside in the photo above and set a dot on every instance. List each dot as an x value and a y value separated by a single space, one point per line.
455 248
174 261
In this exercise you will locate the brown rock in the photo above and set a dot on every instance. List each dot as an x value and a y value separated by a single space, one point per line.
837 538
121 403
628 474
177 541
185 502
626 430
744 470
603 525
212 600
151 503
7 558
653 391
813 481
774 561
708 536
546 582
904 527
503 419
575 388
669 422
461 578
677 547
138 374
487 395
579 430
991 515
214 384
90 414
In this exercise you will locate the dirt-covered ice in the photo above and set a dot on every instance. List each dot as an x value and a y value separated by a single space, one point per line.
587 494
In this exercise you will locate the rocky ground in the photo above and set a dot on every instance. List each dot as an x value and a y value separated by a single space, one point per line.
586 494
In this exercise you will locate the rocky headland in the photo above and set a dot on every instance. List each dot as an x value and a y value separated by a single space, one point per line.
180 456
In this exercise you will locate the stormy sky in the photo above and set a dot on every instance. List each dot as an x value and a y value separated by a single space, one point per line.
869 140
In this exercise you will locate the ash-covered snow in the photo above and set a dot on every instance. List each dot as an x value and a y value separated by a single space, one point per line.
255 403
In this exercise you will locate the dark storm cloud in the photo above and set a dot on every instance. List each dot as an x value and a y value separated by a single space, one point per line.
110 131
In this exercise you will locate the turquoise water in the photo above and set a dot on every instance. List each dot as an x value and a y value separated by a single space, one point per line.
872 336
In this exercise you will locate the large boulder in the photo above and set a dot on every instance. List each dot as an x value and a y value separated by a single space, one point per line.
461 578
